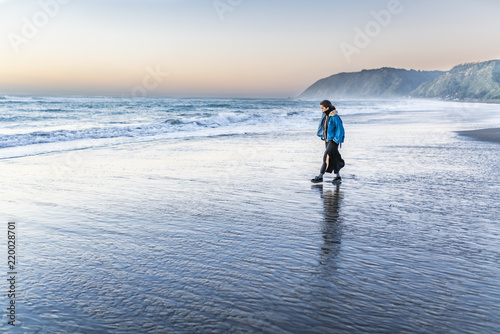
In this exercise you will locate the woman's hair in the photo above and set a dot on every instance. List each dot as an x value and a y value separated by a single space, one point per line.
328 104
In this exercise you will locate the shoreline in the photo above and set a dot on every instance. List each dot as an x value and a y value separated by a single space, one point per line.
193 221
489 134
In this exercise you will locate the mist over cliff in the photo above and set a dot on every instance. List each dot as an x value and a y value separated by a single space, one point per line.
475 81
378 83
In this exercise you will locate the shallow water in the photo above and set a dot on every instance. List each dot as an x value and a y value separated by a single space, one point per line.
227 234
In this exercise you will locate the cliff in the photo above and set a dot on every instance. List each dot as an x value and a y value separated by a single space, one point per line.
379 83
476 81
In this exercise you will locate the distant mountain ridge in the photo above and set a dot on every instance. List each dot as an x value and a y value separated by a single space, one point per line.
474 81
385 82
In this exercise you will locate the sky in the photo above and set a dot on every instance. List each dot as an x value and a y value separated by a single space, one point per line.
230 48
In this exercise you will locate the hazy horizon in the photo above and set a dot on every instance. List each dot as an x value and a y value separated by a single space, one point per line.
222 48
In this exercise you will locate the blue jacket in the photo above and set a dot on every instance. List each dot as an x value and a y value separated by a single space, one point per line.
335 129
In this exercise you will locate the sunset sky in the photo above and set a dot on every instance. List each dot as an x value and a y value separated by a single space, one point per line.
230 48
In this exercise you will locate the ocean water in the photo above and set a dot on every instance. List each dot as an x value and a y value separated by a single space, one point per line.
197 216
31 125
34 125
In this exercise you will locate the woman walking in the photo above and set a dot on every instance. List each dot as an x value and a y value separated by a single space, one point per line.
331 130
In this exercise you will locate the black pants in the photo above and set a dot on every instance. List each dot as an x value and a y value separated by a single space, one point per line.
335 162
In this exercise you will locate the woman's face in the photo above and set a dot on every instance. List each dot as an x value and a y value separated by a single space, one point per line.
324 109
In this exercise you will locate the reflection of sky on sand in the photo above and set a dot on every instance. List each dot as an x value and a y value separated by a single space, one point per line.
227 234
331 226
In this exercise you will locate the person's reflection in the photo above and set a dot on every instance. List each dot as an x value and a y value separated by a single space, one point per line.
332 225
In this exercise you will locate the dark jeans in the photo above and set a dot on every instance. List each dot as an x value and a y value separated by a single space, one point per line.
335 162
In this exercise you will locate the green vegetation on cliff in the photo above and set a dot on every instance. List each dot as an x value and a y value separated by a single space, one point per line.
379 83
476 81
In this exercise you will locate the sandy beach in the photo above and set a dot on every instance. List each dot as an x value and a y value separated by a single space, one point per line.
227 234
492 135
157 161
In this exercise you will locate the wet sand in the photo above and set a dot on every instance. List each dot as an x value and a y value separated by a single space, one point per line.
227 234
491 135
